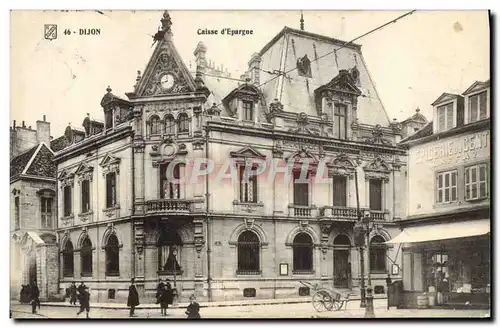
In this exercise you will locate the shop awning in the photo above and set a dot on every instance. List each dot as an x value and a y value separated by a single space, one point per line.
442 231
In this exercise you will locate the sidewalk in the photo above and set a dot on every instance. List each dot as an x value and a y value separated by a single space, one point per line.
304 299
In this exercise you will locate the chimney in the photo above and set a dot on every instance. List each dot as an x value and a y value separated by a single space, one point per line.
43 131
24 125
14 126
201 63
254 68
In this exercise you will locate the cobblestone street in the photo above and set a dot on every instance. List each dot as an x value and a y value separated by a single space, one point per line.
301 310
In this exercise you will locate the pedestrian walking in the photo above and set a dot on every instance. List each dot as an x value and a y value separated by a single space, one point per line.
133 297
35 297
72 293
159 290
166 298
193 309
84 301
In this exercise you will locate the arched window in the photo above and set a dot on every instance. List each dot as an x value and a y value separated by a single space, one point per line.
86 257
378 251
172 187
169 251
342 240
183 121
68 261
155 125
248 253
169 125
302 253
112 256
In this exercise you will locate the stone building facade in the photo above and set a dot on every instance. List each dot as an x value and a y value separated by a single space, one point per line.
33 245
445 238
122 215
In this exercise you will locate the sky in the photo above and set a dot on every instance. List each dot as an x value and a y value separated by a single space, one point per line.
411 61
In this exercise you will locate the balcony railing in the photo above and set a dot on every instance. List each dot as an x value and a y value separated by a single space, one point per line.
341 212
377 215
168 205
302 211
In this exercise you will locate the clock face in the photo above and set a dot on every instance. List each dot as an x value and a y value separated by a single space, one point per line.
167 81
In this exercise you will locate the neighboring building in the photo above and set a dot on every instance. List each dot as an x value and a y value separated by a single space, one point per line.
122 217
413 124
446 233
34 252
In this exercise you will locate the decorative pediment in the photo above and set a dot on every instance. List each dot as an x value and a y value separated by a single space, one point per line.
246 91
110 164
247 152
378 165
477 86
167 150
66 178
165 73
445 97
342 165
84 172
343 83
377 137
303 155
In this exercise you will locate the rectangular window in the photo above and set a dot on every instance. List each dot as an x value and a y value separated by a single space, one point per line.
476 182
17 223
170 189
447 187
67 200
46 212
85 196
300 189
248 111
110 190
339 191
248 186
376 194
477 107
340 121
445 117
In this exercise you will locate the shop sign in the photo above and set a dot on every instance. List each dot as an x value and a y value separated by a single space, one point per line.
458 150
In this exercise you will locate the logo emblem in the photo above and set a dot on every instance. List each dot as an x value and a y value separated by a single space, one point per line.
50 31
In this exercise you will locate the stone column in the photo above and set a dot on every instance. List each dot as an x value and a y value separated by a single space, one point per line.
139 179
139 256
199 227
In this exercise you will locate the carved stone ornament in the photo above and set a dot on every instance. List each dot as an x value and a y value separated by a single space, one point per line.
303 225
377 137
84 217
276 106
166 66
139 236
66 179
110 164
214 110
67 220
84 172
397 164
249 222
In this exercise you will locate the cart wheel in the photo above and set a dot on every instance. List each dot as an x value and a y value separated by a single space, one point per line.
322 301
338 305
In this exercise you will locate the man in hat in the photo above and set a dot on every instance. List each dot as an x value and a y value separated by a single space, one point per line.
84 301
133 297
72 293
34 296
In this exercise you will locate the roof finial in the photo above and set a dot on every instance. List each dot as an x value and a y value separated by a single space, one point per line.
301 20
108 89
166 22
417 110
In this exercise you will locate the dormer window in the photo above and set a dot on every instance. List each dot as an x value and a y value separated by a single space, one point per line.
445 117
340 121
477 107
247 111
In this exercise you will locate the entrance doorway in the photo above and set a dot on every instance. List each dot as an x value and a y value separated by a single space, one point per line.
32 267
341 264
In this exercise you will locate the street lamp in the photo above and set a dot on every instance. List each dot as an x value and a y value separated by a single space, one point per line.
361 234
174 253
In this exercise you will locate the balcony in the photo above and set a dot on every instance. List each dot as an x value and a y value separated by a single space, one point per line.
378 215
175 206
302 211
340 213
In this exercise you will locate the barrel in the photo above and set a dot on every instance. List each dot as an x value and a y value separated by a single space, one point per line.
422 301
